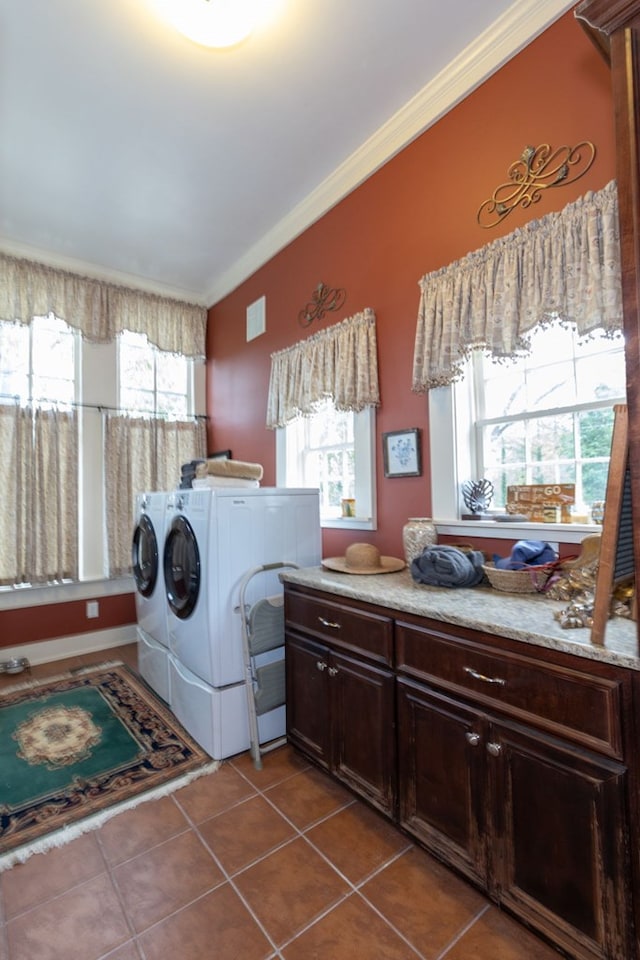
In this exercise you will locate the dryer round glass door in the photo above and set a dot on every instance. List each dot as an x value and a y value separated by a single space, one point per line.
182 568
144 556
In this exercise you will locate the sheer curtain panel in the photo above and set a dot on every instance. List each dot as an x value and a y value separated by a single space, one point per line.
39 473
54 496
177 443
142 455
15 456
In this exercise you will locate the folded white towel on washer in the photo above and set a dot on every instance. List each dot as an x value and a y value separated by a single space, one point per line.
220 467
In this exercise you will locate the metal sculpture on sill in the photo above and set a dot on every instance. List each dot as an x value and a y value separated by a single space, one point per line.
537 169
477 496
322 300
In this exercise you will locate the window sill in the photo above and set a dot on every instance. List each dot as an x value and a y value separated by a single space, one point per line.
15 598
348 523
495 530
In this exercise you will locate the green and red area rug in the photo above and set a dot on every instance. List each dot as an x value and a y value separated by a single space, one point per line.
77 749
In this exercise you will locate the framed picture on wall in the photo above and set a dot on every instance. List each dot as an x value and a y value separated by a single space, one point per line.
401 452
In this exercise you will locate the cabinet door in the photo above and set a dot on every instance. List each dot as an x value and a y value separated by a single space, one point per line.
561 841
362 708
441 765
308 720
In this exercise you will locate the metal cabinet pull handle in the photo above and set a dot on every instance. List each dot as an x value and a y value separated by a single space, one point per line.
329 623
472 738
480 676
494 749
321 665
333 671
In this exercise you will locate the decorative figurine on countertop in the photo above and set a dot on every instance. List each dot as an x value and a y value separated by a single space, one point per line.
477 496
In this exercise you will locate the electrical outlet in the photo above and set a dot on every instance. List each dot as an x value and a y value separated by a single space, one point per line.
93 609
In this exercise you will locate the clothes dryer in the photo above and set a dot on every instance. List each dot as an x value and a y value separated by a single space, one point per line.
153 664
150 510
146 560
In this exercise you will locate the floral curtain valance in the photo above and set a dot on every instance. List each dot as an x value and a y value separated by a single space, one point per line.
340 362
566 264
99 310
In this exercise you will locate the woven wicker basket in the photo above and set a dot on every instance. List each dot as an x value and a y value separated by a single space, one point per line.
529 580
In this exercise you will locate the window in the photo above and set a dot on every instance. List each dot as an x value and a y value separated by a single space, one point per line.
38 361
60 390
334 451
46 371
549 417
154 432
153 382
39 433
546 418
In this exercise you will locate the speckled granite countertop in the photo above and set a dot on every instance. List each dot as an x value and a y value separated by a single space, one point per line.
528 618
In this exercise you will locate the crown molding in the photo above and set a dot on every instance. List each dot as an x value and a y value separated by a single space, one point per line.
83 268
517 27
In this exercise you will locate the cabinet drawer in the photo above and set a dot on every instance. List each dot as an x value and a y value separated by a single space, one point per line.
577 705
341 625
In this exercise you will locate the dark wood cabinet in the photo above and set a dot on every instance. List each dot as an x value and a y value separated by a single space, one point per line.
515 765
539 823
495 778
441 777
308 715
560 857
341 693
363 734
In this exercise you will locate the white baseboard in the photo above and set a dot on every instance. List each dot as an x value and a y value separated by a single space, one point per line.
47 651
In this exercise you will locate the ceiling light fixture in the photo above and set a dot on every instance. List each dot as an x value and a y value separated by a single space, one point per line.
216 23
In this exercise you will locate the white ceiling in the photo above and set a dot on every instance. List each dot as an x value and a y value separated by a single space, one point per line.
130 153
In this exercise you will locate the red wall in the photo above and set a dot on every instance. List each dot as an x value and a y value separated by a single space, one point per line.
48 621
414 215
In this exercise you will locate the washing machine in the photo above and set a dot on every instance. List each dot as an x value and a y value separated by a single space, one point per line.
184 562
217 718
213 538
150 513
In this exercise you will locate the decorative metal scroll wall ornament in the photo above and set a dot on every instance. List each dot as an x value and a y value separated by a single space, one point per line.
535 171
322 300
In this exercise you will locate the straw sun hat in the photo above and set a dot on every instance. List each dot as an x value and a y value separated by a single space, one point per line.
363 558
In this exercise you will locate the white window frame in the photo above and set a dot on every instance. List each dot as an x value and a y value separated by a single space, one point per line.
31 395
364 471
99 388
189 393
450 430
96 389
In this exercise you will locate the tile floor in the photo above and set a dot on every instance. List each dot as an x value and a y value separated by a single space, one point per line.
247 865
